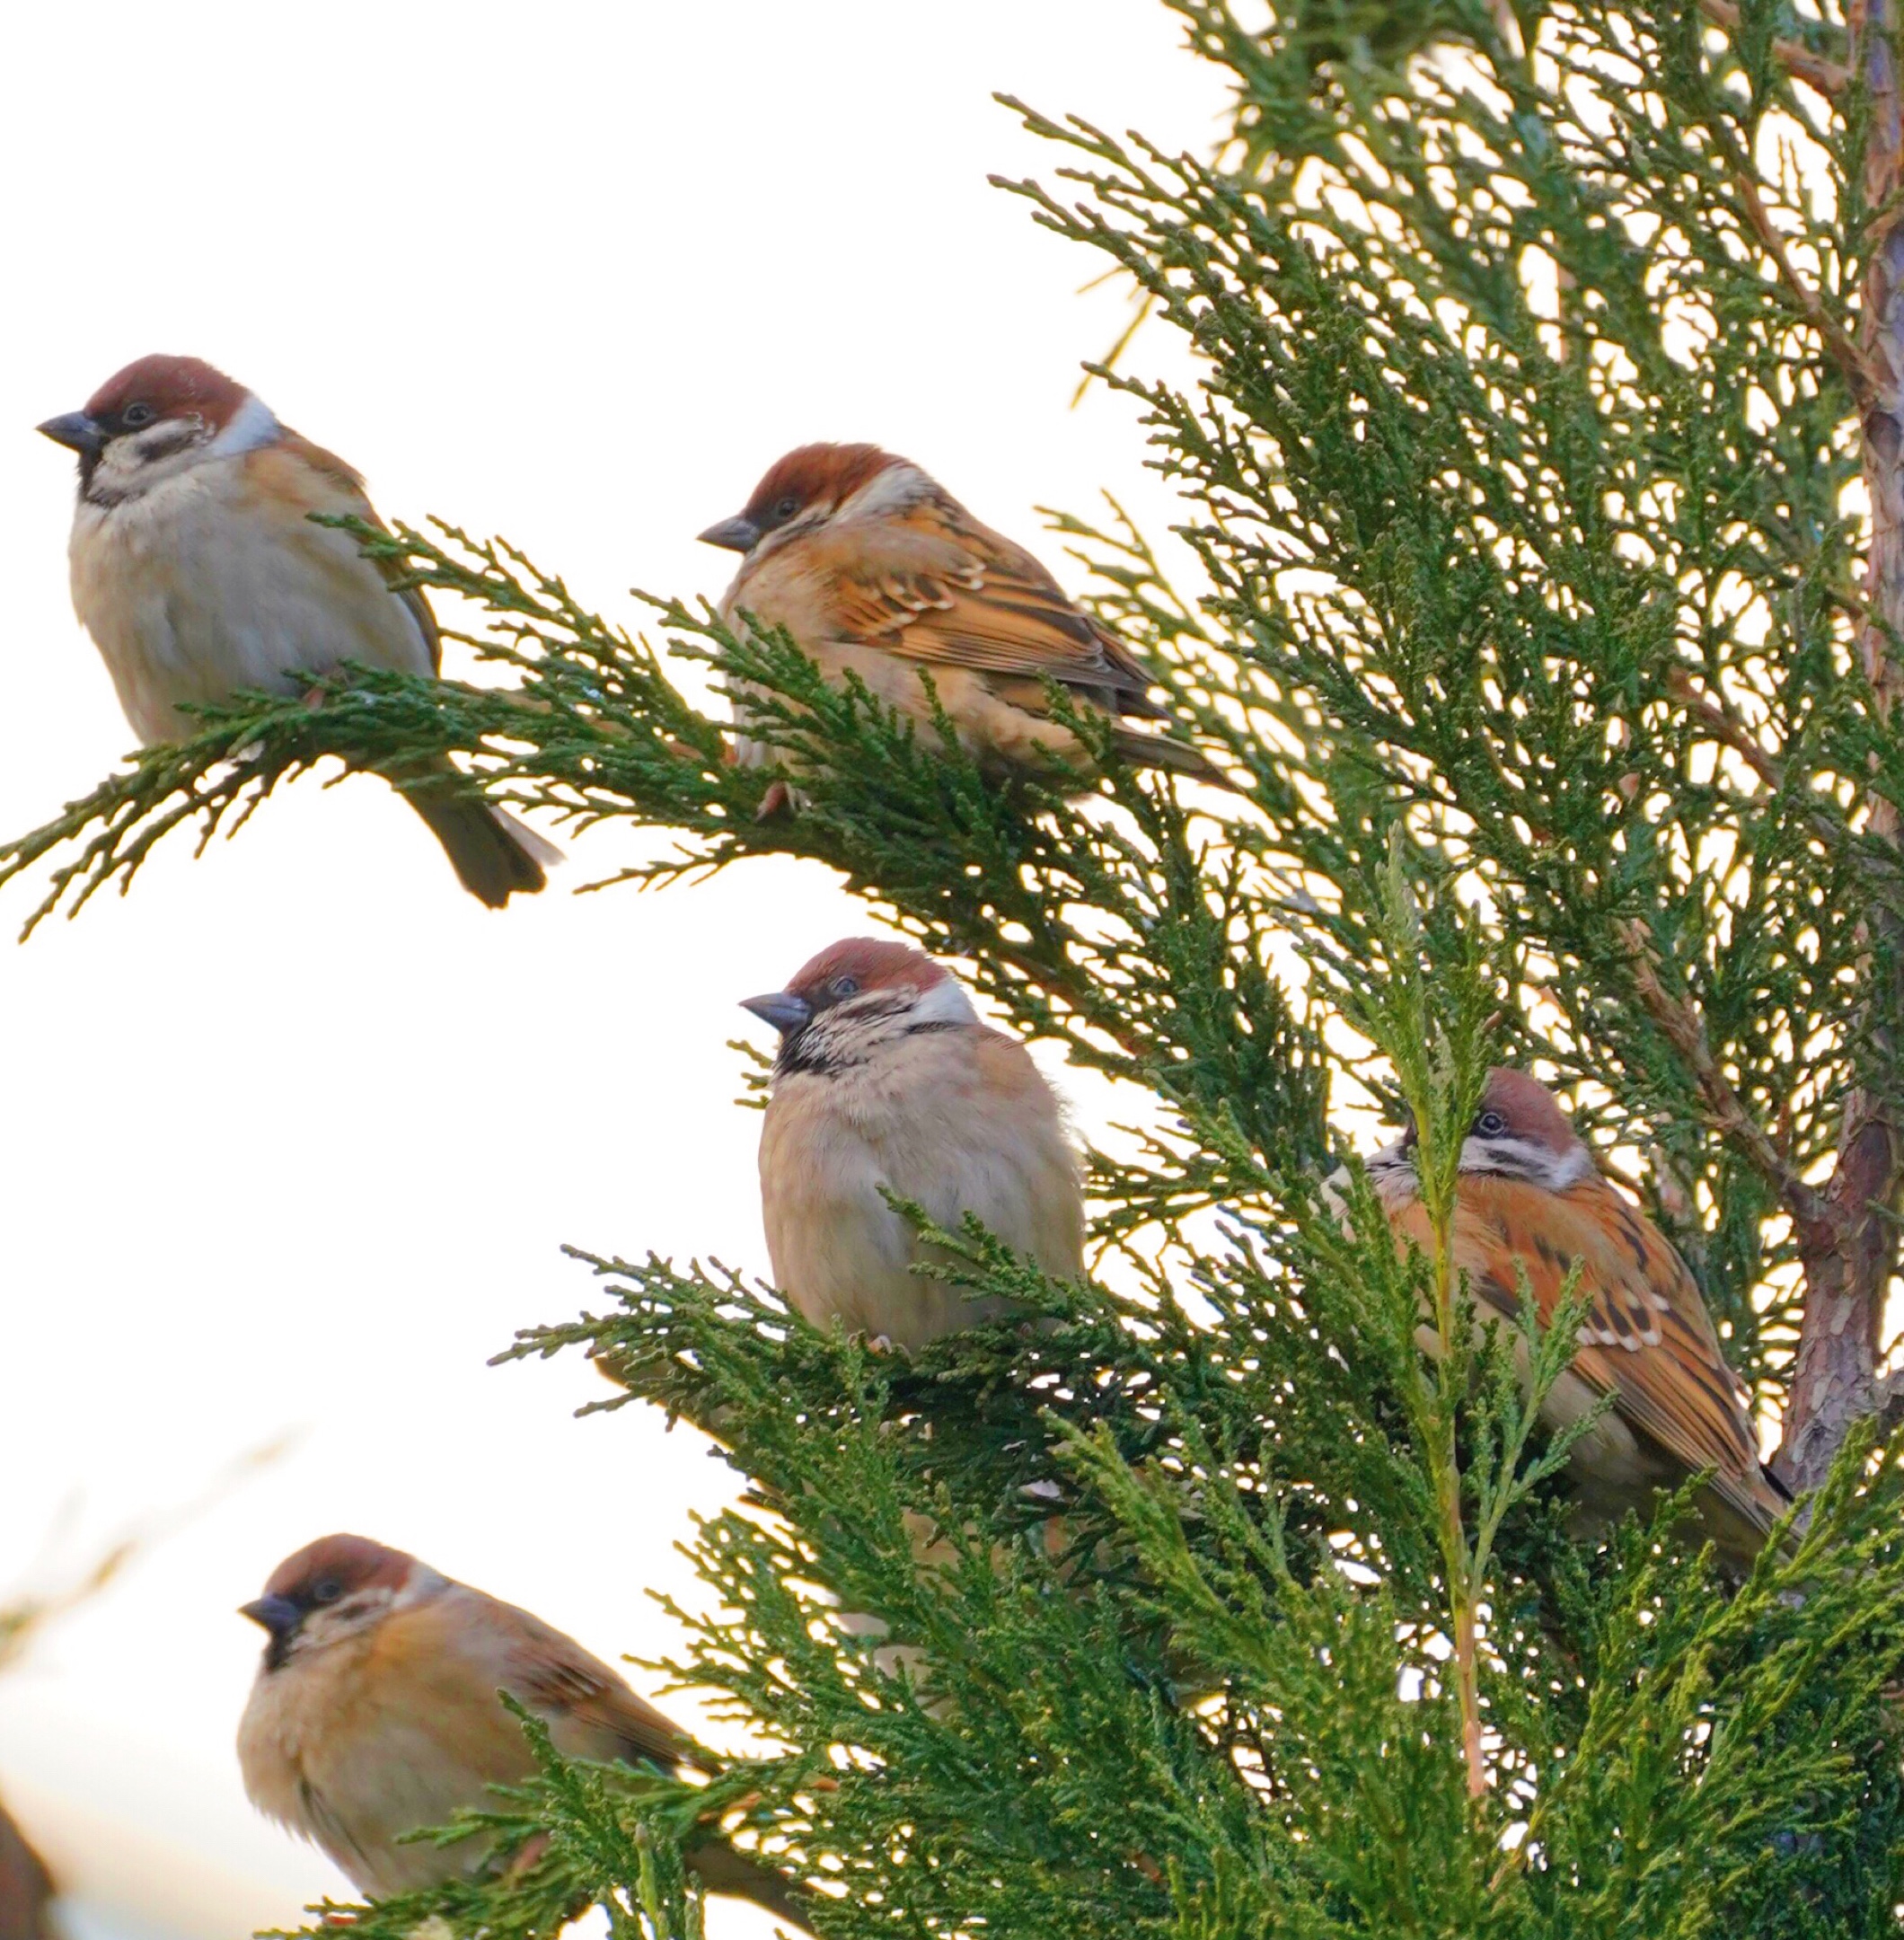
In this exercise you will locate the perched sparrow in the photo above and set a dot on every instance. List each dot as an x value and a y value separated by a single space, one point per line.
886 1080
374 1714
876 570
1529 1198
198 571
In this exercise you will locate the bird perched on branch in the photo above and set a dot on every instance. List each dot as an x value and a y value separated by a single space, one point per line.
1530 1198
887 1082
374 1714
877 571
198 571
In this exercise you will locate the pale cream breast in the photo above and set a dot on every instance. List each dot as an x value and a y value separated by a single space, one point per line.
377 1736
213 580
960 1122
290 1714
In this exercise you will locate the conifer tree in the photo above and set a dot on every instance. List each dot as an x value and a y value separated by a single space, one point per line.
1542 475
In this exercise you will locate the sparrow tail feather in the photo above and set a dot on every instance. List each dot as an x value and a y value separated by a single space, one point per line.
723 1870
1161 751
494 855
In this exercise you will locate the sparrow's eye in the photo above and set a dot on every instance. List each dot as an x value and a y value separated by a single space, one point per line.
844 986
326 1589
136 415
786 507
1490 1125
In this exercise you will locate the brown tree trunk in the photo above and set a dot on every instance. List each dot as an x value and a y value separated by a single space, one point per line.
1848 1253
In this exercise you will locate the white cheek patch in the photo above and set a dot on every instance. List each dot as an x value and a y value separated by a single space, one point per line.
115 474
1577 1165
893 490
252 425
135 464
945 1003
130 466
422 1583
1527 1160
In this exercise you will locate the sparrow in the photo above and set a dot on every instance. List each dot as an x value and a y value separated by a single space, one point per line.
1531 1199
197 571
887 1082
374 1713
877 571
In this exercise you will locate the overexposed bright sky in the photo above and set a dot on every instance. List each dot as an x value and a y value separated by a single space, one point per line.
291 1135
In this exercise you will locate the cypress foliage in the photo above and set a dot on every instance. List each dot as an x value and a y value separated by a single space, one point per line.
1546 386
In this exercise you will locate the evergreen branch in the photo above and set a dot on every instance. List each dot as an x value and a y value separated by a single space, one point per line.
1850 360
1439 1057
1850 1261
1245 1597
1831 78
1731 733
1682 1025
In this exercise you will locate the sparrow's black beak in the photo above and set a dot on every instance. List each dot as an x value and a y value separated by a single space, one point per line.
736 535
76 431
277 1614
783 1010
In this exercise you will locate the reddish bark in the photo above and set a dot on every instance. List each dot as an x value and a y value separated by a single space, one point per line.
1848 1248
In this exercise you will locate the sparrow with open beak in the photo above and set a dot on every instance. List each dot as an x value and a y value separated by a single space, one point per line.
878 571
887 1082
1530 1199
374 1714
197 571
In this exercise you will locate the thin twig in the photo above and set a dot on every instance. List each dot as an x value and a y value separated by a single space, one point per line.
1850 361
1726 726
1828 77
1682 1025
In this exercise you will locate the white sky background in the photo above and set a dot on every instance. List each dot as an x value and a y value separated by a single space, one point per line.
291 1135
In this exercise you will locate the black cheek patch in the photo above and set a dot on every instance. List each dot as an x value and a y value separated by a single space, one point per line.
802 1051
174 438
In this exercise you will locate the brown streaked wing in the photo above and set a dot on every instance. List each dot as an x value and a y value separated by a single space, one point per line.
344 479
921 588
342 487
1651 1343
552 1674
